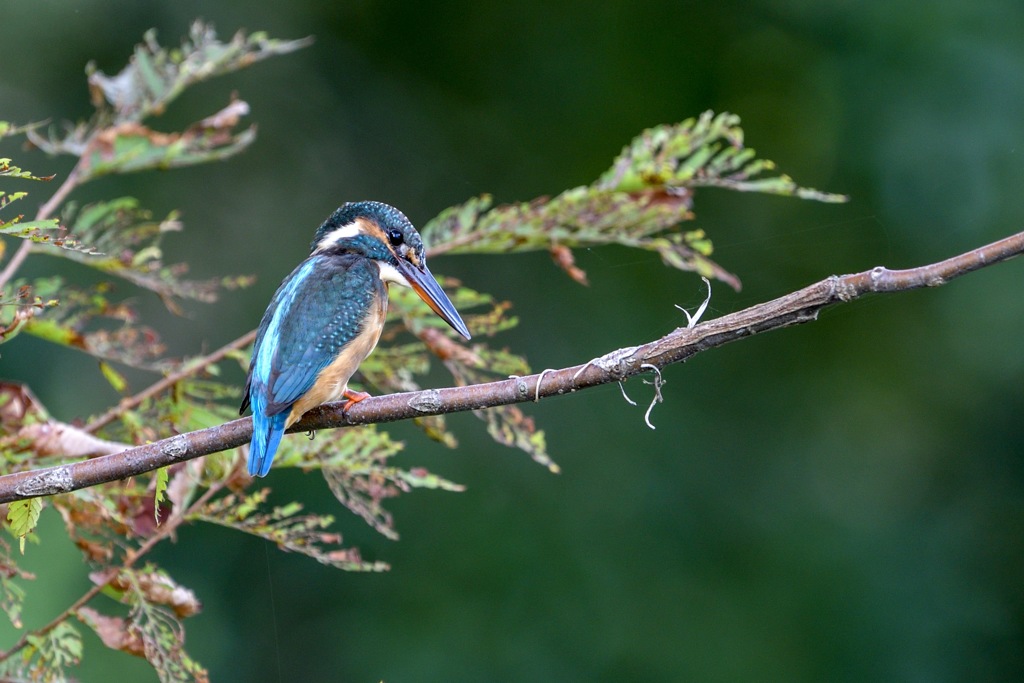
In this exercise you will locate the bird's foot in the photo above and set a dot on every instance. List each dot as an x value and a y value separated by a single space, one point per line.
353 397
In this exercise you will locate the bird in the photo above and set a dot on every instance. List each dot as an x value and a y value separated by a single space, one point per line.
327 317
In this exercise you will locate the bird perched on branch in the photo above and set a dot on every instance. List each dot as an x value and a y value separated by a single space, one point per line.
327 316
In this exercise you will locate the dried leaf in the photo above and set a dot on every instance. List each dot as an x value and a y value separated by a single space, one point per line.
155 587
28 300
12 599
113 631
8 129
162 636
563 258
156 75
67 441
95 523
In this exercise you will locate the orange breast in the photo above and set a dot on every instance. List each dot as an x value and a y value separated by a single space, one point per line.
332 381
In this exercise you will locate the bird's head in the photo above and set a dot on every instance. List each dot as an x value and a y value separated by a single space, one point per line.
382 233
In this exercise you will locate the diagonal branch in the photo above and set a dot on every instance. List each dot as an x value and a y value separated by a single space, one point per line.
195 366
792 309
44 212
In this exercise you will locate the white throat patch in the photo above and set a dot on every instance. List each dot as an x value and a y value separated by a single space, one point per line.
388 273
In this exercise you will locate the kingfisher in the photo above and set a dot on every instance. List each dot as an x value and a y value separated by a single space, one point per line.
327 316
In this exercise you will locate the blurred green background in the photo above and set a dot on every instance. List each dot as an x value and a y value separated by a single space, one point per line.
842 501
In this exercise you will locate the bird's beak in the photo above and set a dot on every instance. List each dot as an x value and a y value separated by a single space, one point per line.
424 284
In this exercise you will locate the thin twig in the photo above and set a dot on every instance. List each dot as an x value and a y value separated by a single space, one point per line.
47 209
44 212
170 380
792 309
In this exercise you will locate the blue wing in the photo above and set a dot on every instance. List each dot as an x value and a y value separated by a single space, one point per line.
315 312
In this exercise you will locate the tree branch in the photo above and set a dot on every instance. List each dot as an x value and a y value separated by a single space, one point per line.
170 380
792 309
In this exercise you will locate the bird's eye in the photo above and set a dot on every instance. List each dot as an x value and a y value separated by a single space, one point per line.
395 236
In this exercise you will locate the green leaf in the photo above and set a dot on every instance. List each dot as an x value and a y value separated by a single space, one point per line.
160 479
115 378
639 202
48 231
12 600
706 151
287 528
131 238
89 320
27 300
12 595
6 199
468 364
47 655
132 147
6 169
355 464
23 515
395 367
507 425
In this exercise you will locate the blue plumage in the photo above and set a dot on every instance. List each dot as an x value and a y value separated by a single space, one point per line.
319 309
327 316
266 436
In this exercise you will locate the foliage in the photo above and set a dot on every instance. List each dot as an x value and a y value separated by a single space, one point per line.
23 515
640 202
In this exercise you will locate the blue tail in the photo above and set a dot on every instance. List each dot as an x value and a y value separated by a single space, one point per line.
266 435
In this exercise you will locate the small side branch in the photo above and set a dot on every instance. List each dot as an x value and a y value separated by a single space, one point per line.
792 309
197 365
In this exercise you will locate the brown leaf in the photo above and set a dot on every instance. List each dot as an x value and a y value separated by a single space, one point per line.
158 589
18 405
105 140
445 348
103 576
94 550
57 438
113 631
564 259
228 117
